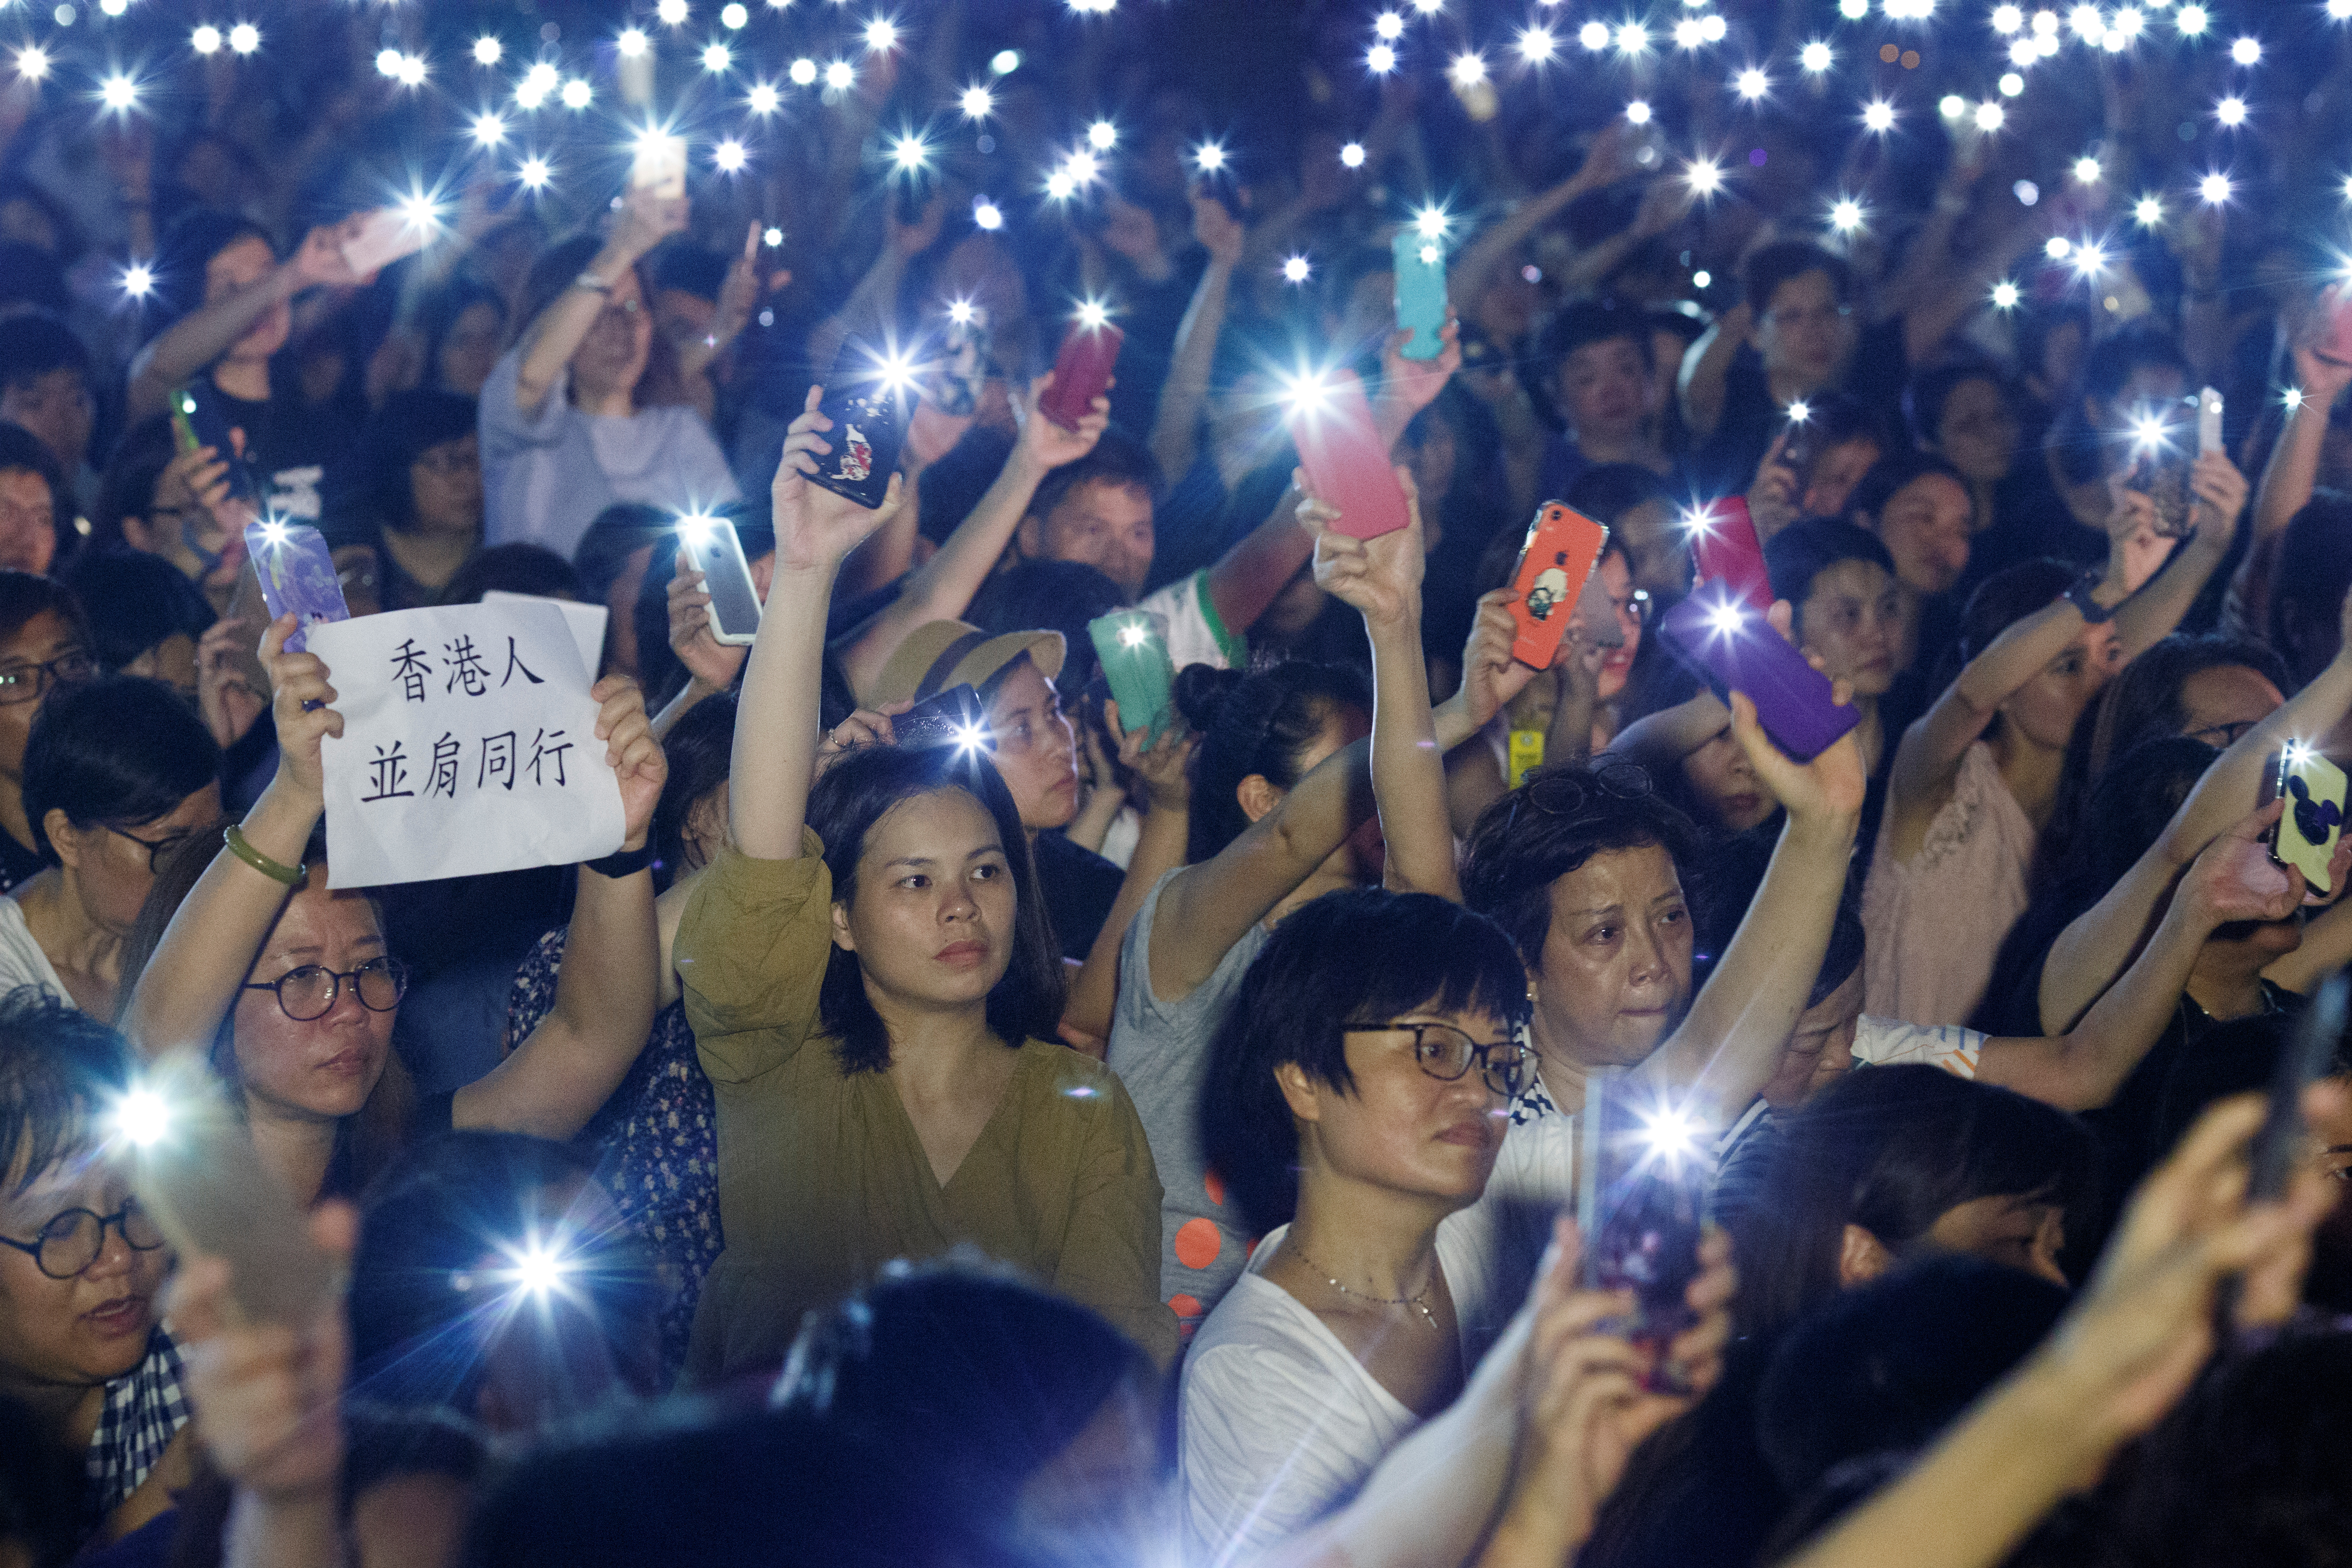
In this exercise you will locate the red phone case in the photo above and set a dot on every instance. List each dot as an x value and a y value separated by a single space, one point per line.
1081 372
1562 550
1346 462
1726 548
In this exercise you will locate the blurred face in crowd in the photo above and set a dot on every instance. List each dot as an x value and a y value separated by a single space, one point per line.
1833 475
470 351
1604 391
1432 455
172 661
112 869
56 407
235 268
1101 524
683 317
1852 621
445 484
2045 708
1978 432
29 536
612 358
1616 970
1726 786
1399 1130
931 917
1656 548
1617 582
46 639
1362 858
2220 704
2021 1232
76 1334
1820 1048
321 1069
1036 750
1805 333
1925 526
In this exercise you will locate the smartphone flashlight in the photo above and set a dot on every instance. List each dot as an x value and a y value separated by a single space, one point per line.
143 1117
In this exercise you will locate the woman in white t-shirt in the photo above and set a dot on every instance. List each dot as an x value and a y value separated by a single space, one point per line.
118 773
1353 1102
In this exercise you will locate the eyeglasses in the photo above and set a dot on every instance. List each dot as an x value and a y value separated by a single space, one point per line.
309 992
71 1241
156 848
2221 737
1636 605
31 682
1447 1055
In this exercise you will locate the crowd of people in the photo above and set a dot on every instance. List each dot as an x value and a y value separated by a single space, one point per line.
1086 1140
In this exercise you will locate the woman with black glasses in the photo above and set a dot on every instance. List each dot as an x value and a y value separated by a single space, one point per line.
117 772
243 943
44 643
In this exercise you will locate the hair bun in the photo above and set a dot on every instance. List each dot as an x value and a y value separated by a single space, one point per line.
1200 693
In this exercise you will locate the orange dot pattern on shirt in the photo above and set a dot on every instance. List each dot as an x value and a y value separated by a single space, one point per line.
1197 1242
1215 1185
1188 1314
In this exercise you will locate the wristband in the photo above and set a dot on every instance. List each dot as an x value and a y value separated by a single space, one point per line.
622 863
276 871
2078 593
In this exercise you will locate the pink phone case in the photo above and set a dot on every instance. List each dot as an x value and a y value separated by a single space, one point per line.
1081 372
1725 550
1346 462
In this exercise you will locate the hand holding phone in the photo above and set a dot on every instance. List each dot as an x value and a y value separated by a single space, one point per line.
1420 262
1345 461
1133 647
956 716
869 398
298 576
1082 371
712 547
1724 547
659 165
1734 648
382 237
2313 819
200 419
1555 566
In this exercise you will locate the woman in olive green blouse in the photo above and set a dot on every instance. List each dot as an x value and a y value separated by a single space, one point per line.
872 985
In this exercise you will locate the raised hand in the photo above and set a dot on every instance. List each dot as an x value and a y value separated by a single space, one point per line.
2235 877
2134 545
1410 385
1828 788
645 220
228 705
1220 233
1380 578
320 258
1490 676
635 756
300 699
1044 445
710 661
2220 492
815 528
1162 766
865 727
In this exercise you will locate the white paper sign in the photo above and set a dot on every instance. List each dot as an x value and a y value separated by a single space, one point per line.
469 746
586 621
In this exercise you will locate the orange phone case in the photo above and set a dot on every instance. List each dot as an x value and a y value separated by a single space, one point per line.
1562 550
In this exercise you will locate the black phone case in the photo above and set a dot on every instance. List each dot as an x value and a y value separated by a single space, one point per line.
210 421
946 719
869 427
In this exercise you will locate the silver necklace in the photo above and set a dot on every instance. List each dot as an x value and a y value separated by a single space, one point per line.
1419 1302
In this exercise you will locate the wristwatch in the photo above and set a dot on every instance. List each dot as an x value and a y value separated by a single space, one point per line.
593 284
2078 593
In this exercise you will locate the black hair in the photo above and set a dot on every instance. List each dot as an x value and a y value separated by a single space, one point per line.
514 569
1119 460
376 479
1580 324
1893 470
848 799
24 595
437 317
1801 551
1049 596
2109 363
617 532
953 485
383 1443
1889 1364
188 248
2307 591
136 601
2144 701
1607 491
1551 825
1928 390
60 1070
437 1231
1770 266
118 751
1893 1149
1262 724
2002 600
127 486
35 343
689 269
1359 956
701 751
31 275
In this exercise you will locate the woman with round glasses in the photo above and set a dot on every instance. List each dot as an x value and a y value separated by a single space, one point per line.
117 774
243 943
44 643
1354 1100
82 1350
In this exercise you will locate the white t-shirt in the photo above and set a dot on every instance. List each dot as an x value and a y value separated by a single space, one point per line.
1887 1042
22 962
1280 1423
1195 634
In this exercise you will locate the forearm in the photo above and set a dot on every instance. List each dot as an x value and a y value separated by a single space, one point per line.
1705 374
1669 735
1487 253
1568 741
776 721
1175 427
885 554
1931 750
2327 947
1246 580
678 707
2148 616
282 1532
942 587
193 343
2082 1069
2293 472
558 335
1408 769
1159 849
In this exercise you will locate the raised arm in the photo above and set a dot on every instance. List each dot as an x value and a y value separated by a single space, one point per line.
2092 950
942 587
1162 773
193 977
1176 425
1664 739
193 343
1929 757
610 982
2288 479
1706 369
777 724
2150 614
1490 679
645 221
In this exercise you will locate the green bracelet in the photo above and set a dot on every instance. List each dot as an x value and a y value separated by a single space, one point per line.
291 875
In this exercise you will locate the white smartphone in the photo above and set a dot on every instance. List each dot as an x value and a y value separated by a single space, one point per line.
194 1169
660 166
384 237
2209 421
712 549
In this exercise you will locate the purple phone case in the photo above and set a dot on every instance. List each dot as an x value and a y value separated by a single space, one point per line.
1792 698
298 576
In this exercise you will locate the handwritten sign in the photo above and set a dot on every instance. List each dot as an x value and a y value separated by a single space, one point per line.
469 746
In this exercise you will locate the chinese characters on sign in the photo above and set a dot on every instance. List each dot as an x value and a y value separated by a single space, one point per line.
468 745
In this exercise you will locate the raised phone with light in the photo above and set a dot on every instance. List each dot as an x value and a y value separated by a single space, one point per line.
1082 368
712 548
1725 549
1346 462
1640 1188
869 396
1734 648
1554 572
956 716
297 575
1420 260
2314 790
1133 647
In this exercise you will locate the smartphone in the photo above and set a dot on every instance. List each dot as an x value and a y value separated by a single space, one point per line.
1419 291
383 237
1346 462
1726 549
1733 648
868 403
2209 421
298 575
956 716
710 547
193 1167
2309 1053
2158 467
1081 372
956 379
659 165
2314 789
200 419
1640 1204
1555 564
1133 647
